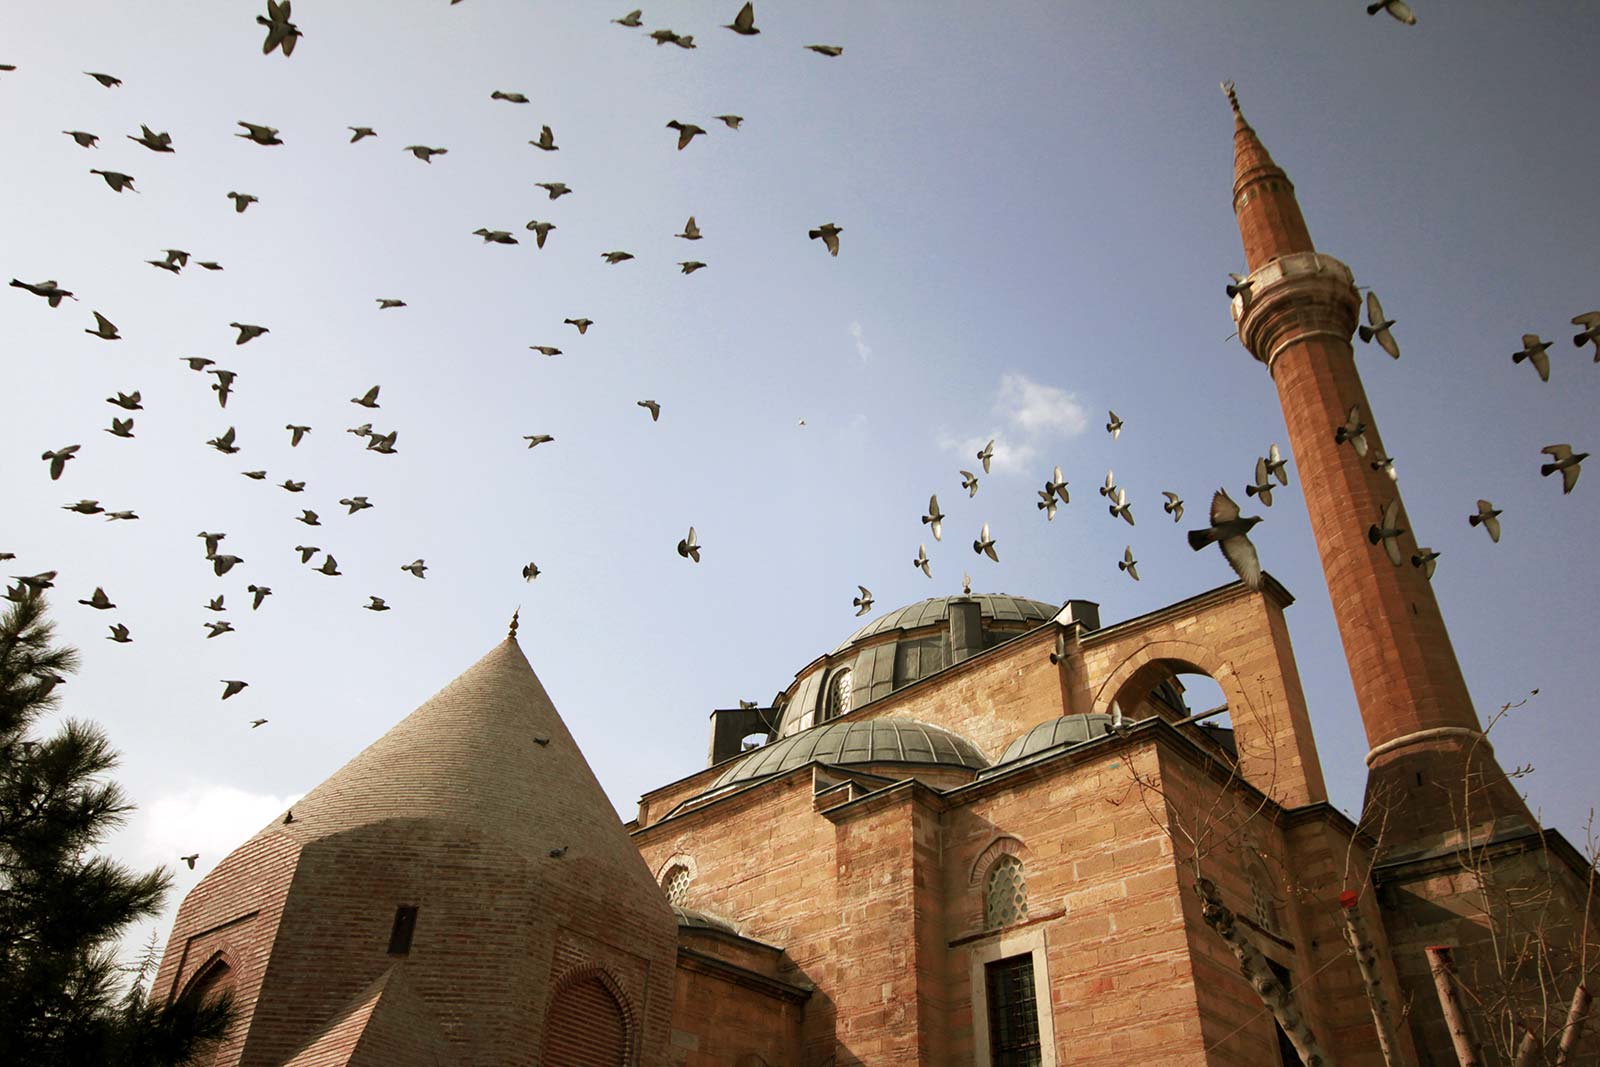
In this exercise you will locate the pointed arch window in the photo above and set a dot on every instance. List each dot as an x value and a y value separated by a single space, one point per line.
1005 890
676 884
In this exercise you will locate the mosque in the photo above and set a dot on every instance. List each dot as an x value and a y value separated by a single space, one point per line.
971 834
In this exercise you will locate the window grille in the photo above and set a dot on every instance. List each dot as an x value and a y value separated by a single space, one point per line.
676 883
1005 894
1013 1013
841 694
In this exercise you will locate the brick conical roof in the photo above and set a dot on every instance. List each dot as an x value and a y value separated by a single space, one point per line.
1263 197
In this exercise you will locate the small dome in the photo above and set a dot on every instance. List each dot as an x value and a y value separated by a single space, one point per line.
1067 730
998 607
690 919
846 741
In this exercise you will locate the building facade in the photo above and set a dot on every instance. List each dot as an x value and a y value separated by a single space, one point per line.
971 834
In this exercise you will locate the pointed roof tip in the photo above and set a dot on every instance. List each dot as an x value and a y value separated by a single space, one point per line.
511 632
1239 121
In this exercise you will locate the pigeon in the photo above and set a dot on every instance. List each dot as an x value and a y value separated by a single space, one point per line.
1058 485
306 552
1381 462
1425 559
1353 430
541 230
730 121
355 503
104 329
614 258
104 79
1276 465
556 189
652 407
261 135
129 516
744 23
1110 485
687 131
984 545
417 567
532 571
546 141
281 33
689 266
309 518
1173 506
510 98
218 628
423 152
582 324
498 237
985 454
661 37
1127 564
121 427
383 444
258 594
375 603
171 268
232 688
969 482
358 132
191 857
1121 507
934 519
1378 326
255 475
223 385
52 293
862 603
1114 427
254 723
1047 503
247 332
119 634
1533 350
831 50
224 443
1240 284
828 234
210 264
296 433
58 459
242 201
1387 533
129 401
364 430
922 560
156 142
176 256
84 139
37 582
684 40
196 363
545 350
211 540
330 567
221 564
691 232
1231 532
369 399
98 600
215 604
689 547
1263 484
116 179
1398 9
631 19
1566 461
1589 320
387 302
293 486
537 439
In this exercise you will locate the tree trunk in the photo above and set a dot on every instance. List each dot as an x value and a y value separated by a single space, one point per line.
1574 1028
1278 998
1444 981
1355 935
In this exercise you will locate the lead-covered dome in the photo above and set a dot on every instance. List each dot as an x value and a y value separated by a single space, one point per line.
855 741
1067 730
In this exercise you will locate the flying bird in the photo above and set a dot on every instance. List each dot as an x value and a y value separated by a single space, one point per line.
689 266
582 324
862 603
210 264
546 141
652 407
309 518
1173 506
52 293
171 268
156 142
1047 503
261 135
498 237
1387 532
293 486
531 570
689 547
1263 483
258 593
1385 464
364 430
106 80
281 33
112 516
306 552
98 600
831 50
1231 531
417 568
375 603
510 98
104 328
1127 564
828 234
369 399
1240 284
1566 461
121 427
387 302
355 503
211 540
224 443
663 36
730 121
116 179
119 634
176 256
744 22
1589 320
196 363
358 132
247 332
215 603
984 545
1114 426
985 454
254 723
545 350
1397 9
614 258
222 626
1058 485
1353 430
1120 506
969 482
687 131
537 439
242 201
631 19
934 519
383 444
1425 559
423 152
556 189
1489 518
1276 465
541 230
1378 326
296 433
922 560
191 857
1533 350
691 232
223 385
232 688
222 563
129 401
58 459
330 567
84 138
255 475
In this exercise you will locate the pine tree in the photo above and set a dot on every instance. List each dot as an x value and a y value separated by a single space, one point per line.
62 909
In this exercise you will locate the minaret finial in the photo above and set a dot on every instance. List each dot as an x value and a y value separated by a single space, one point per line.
1233 98
511 635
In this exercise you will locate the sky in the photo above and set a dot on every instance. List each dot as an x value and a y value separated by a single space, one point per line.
1035 205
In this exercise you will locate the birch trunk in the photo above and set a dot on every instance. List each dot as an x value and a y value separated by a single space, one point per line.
1450 1001
1361 946
1574 1028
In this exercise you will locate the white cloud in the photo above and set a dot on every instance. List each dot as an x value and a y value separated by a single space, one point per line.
1039 410
212 820
1009 455
862 348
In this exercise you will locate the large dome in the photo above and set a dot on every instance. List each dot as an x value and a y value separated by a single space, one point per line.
999 607
846 741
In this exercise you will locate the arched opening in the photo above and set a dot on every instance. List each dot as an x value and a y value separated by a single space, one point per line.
750 742
585 1025
1201 695
841 694
216 980
1005 893
675 883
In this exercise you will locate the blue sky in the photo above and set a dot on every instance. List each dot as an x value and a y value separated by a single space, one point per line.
1035 205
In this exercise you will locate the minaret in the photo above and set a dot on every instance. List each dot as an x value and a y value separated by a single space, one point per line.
1296 314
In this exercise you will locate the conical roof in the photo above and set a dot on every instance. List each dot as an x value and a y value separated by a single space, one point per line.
1270 221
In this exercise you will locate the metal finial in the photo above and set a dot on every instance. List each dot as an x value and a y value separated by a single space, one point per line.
512 634
1233 97
966 584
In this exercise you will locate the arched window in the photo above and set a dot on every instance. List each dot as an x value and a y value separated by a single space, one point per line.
676 884
1005 894
841 692
586 1025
